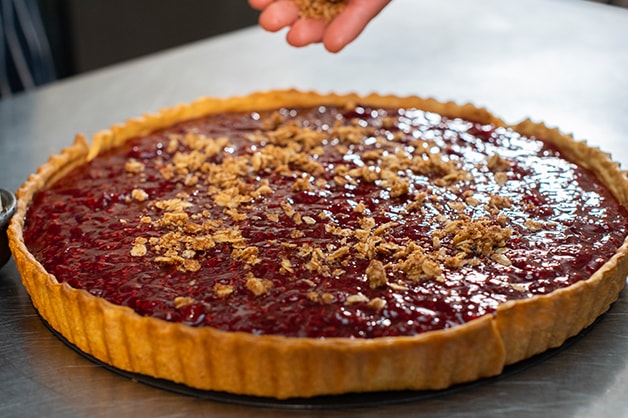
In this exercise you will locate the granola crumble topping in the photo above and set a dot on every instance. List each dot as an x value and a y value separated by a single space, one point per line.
322 9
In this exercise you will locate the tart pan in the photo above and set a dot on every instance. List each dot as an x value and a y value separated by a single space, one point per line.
7 208
326 402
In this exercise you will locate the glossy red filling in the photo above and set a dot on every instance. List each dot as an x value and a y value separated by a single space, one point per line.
83 227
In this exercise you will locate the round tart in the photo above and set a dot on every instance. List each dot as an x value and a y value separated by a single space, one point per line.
292 244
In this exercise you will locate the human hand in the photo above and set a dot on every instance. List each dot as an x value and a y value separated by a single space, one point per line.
335 35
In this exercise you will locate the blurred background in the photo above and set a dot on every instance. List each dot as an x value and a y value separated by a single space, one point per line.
46 40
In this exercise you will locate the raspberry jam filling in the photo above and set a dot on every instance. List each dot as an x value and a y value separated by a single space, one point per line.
325 222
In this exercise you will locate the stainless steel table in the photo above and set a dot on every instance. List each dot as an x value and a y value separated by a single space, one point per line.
561 61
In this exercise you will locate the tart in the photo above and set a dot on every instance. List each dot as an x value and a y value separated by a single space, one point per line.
293 244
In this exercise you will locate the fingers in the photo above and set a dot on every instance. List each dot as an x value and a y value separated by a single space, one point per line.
305 32
259 4
346 27
278 14
351 22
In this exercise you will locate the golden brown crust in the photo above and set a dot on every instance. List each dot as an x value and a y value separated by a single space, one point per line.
283 367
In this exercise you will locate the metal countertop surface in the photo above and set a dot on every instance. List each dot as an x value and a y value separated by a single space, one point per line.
563 62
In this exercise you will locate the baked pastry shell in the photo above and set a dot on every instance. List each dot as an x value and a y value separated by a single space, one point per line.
285 367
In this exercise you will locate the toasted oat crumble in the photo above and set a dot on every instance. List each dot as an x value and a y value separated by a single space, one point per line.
134 166
377 304
139 195
376 274
358 298
181 301
322 9
496 163
258 286
223 290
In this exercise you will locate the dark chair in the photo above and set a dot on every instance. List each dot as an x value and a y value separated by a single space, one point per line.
26 59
